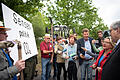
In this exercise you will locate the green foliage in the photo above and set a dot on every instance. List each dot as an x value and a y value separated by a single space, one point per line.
25 9
39 23
30 11
76 14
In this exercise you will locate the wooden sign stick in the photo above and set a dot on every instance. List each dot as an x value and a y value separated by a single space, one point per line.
51 36
20 57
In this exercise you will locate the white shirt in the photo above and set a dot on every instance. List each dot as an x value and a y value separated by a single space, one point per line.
88 47
118 42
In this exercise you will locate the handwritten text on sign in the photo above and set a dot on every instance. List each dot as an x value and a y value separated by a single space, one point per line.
21 30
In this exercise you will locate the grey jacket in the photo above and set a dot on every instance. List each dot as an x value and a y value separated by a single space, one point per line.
6 72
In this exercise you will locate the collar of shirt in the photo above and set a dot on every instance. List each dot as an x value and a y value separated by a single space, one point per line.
118 42
86 40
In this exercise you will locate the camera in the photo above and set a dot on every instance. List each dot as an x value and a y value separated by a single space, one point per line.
106 33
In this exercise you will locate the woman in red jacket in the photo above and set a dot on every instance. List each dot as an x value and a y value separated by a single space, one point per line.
103 55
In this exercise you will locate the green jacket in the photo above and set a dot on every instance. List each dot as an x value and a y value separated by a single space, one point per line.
6 72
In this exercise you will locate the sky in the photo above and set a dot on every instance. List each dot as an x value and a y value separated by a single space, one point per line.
108 10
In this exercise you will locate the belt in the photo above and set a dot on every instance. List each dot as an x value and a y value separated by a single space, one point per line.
88 59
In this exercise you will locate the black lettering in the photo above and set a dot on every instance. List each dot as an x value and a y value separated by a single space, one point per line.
26 48
15 19
24 34
20 22
20 33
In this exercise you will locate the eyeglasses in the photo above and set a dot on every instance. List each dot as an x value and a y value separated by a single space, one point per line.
3 33
112 30
47 38
106 42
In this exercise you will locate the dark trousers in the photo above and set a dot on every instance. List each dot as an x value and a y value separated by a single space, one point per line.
59 68
72 71
55 67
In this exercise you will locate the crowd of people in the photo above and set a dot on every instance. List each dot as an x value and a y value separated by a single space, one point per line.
101 55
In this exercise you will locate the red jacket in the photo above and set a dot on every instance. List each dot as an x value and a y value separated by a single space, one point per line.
98 74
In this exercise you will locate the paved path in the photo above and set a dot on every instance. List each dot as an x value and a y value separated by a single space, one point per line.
39 76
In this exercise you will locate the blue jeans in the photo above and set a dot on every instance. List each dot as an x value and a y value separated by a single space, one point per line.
46 67
85 68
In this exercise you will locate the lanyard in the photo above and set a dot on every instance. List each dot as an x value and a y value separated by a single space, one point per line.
8 58
9 62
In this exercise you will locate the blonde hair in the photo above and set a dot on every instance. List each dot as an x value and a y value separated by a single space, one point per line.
111 42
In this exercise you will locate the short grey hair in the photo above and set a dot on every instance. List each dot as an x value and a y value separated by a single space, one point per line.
115 25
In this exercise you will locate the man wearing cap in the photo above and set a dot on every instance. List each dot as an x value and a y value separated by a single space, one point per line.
8 71
46 53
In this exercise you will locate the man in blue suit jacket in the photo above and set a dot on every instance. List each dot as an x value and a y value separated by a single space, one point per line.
85 60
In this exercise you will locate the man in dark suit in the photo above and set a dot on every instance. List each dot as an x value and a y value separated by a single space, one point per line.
111 67
85 60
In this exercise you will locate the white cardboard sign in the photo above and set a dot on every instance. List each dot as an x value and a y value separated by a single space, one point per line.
21 30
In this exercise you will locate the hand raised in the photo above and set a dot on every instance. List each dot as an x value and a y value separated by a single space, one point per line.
20 64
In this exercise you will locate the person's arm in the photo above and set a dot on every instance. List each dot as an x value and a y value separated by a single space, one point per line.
80 55
42 48
95 49
47 51
9 72
90 53
100 48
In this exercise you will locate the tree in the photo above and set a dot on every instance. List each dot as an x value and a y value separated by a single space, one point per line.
30 10
39 24
25 9
76 14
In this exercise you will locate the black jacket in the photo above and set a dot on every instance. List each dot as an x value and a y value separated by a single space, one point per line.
111 68
81 43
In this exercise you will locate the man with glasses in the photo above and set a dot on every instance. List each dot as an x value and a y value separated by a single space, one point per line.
111 67
46 53
8 71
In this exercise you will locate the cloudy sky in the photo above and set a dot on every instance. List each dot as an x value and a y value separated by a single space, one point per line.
108 10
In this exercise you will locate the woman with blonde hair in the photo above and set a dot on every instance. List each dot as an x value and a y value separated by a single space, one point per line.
102 57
